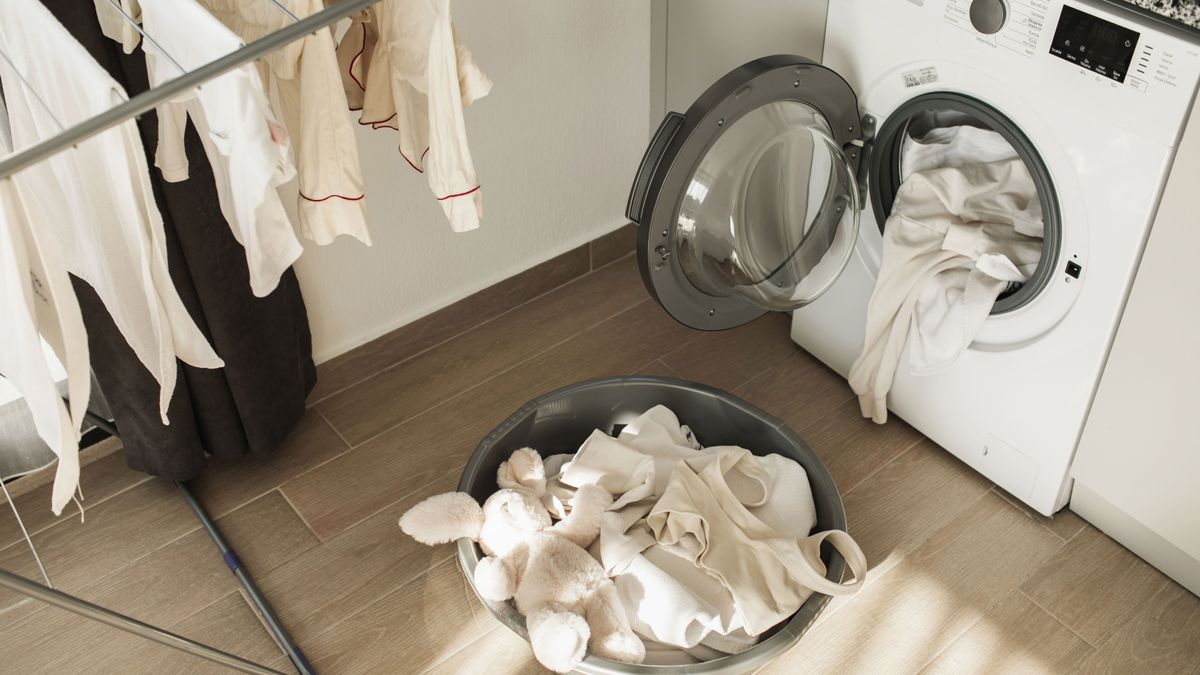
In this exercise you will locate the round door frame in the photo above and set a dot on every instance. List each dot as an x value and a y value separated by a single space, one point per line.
883 171
683 140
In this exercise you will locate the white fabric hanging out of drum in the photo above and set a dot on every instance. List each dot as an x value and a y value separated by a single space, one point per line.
965 227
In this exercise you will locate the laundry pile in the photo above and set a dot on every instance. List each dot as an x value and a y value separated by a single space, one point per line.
707 548
966 226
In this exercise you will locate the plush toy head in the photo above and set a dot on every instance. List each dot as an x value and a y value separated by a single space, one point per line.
570 604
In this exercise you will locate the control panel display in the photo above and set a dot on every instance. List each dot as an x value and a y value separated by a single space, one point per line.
1098 45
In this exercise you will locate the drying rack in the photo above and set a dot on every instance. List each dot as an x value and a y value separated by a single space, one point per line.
68 138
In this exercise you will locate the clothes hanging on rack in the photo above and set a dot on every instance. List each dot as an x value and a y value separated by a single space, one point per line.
39 303
250 405
312 105
403 67
95 201
246 147
304 72
116 26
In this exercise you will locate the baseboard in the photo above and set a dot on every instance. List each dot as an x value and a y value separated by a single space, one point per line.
1133 535
413 338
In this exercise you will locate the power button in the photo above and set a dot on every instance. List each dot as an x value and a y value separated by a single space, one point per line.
988 16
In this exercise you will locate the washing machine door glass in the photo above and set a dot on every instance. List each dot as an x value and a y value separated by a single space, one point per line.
749 202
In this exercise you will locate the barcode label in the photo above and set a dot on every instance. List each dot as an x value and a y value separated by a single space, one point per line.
916 78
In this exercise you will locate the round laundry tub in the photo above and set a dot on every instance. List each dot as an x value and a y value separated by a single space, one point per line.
561 420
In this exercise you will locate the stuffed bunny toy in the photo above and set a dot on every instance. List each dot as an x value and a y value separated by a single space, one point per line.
570 605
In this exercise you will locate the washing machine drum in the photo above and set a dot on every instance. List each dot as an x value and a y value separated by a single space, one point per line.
749 202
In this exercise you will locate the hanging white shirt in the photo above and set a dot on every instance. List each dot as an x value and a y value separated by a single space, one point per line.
96 199
404 68
116 26
312 104
39 304
246 147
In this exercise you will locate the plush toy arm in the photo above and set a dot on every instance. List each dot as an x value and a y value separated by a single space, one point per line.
495 578
443 518
582 524
524 470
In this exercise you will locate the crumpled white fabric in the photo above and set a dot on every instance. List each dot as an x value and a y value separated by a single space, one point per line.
966 223
768 574
669 598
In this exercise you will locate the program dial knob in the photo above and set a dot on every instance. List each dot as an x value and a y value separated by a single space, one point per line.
988 16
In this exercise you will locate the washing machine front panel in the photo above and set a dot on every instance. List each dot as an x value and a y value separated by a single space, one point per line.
749 201
1014 409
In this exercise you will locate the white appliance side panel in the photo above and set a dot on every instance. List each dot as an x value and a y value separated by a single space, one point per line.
1140 450
708 38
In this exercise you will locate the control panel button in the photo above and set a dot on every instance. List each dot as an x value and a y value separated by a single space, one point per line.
988 16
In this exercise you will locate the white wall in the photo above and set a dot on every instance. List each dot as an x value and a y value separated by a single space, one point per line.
555 144
704 39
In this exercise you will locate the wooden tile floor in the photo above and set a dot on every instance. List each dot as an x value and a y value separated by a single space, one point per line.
963 579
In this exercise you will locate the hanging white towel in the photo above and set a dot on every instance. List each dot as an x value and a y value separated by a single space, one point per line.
940 274
95 199
246 147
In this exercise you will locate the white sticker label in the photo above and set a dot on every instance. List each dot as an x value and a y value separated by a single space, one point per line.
916 78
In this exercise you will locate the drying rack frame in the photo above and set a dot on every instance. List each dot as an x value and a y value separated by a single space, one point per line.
151 98
68 138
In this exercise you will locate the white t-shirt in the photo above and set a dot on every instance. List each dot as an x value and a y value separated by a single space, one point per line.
403 66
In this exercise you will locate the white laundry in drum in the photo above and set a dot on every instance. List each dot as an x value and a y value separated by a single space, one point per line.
965 227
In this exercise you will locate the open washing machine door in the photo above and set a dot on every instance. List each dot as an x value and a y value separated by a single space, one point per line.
749 202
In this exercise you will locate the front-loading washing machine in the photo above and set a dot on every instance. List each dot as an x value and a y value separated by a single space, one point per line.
771 194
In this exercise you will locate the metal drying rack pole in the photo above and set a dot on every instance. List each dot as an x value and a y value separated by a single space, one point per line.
151 98
269 618
68 138
130 625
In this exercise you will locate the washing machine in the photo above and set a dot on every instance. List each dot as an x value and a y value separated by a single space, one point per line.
770 193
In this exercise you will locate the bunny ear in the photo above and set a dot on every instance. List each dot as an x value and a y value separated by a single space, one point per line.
443 518
525 471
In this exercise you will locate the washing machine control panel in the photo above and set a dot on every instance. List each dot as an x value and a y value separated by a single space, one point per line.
1015 26
1094 44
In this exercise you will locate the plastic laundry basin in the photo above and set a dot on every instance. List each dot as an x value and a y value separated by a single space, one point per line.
560 421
